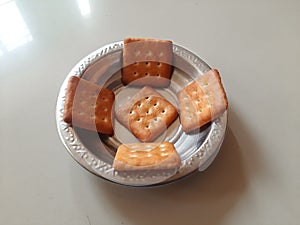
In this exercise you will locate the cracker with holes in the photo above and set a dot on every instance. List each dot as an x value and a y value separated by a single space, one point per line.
147 62
146 156
147 115
202 101
88 106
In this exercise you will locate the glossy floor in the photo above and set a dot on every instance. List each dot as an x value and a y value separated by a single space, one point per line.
254 179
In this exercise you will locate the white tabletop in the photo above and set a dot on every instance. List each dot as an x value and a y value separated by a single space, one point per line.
254 180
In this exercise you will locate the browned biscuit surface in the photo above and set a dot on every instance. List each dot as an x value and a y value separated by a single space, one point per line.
88 106
146 156
202 101
149 59
147 114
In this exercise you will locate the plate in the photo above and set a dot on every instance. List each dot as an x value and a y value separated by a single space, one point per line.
95 152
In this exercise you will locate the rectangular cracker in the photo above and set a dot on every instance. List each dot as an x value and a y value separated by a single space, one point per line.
146 156
88 106
202 101
147 62
147 114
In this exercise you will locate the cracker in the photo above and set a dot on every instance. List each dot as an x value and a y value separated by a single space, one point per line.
202 101
147 114
149 59
88 106
146 156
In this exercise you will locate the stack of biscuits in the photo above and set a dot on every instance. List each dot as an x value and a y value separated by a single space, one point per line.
147 63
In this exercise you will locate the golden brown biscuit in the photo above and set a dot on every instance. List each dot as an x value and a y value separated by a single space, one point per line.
149 59
202 101
88 106
147 114
146 156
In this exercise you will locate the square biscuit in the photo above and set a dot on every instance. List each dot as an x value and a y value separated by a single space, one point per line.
147 114
202 101
147 62
88 106
146 156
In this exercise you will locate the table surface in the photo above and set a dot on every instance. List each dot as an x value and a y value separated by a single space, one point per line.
255 179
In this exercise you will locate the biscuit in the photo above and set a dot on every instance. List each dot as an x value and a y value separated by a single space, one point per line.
147 114
146 156
149 59
88 106
202 101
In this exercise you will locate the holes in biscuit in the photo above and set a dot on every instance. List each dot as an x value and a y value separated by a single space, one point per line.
147 126
139 119
158 64
130 112
163 154
163 149
135 73
104 108
147 112
158 75
104 119
155 119
135 63
163 111
147 98
147 63
146 74
155 104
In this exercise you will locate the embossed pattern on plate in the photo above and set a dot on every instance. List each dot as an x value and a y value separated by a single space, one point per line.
196 150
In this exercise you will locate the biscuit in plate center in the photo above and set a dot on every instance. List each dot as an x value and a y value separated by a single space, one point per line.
147 114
